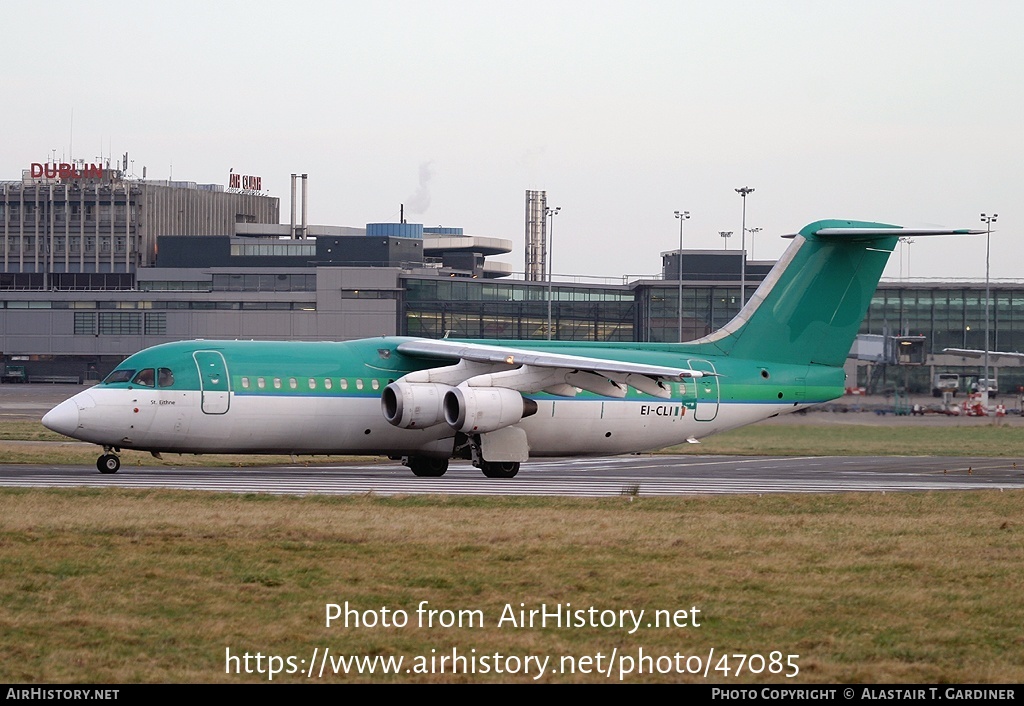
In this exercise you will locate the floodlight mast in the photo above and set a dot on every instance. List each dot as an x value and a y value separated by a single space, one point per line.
988 221
682 216
550 213
743 191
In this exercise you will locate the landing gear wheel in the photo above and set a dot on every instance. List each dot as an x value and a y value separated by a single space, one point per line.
108 463
426 467
499 469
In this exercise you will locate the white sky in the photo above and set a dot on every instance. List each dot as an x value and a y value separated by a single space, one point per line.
904 111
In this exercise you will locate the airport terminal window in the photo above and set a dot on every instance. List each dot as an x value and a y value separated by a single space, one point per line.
367 294
156 324
85 324
165 377
173 286
120 323
29 305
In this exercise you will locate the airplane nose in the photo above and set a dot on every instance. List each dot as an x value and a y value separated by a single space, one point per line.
63 418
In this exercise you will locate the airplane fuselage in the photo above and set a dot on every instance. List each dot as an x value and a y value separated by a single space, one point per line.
325 398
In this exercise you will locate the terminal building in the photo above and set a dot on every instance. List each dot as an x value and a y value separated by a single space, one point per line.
97 266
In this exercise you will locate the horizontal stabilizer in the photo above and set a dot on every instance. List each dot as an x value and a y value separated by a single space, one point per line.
902 232
864 229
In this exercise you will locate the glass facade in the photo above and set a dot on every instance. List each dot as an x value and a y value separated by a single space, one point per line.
948 317
471 308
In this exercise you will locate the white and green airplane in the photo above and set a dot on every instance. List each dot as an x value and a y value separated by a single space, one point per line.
499 403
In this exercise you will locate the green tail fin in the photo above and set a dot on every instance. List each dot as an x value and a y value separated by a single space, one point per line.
810 306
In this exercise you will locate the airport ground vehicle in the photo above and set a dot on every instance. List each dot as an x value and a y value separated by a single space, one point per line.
945 382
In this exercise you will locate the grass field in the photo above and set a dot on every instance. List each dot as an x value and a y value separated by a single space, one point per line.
113 586
978 439
119 587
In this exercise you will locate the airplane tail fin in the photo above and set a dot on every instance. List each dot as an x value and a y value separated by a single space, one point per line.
810 306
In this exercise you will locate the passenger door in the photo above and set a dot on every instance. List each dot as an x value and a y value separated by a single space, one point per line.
214 383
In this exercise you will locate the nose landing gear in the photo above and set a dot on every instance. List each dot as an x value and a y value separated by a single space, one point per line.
108 462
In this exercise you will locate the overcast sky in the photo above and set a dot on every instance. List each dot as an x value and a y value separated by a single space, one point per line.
903 111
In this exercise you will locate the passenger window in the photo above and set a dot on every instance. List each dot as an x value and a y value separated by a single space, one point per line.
145 378
245 383
293 383
359 384
343 383
277 383
327 383
375 384
312 383
261 383
165 377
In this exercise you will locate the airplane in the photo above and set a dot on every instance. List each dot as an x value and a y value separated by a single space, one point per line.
500 403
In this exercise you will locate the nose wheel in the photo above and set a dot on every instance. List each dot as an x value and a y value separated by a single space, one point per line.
108 463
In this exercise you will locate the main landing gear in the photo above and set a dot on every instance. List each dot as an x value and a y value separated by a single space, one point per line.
431 467
499 469
426 466
108 462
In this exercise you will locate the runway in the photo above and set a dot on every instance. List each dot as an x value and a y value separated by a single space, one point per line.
642 475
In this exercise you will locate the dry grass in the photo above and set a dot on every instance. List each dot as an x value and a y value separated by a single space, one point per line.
118 586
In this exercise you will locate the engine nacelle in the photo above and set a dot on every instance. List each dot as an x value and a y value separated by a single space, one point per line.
412 405
477 410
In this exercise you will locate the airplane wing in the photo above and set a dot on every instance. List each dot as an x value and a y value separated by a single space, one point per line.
485 365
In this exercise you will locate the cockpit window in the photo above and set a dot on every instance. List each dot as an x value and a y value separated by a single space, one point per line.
145 378
119 376
165 377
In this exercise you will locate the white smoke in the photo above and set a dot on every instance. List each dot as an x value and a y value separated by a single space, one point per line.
420 201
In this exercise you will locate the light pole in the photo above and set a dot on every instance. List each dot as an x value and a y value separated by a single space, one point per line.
752 231
726 234
550 213
682 216
743 191
988 221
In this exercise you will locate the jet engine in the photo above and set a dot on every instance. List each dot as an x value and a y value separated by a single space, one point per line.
413 405
477 410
